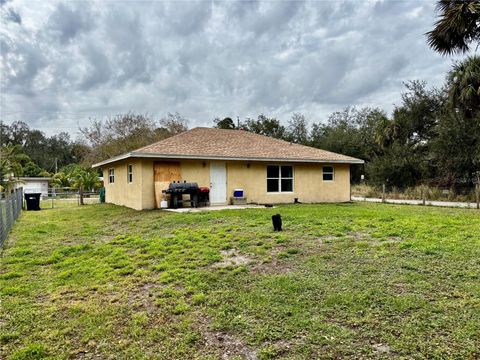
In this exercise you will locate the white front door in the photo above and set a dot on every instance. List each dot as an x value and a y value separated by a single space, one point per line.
218 183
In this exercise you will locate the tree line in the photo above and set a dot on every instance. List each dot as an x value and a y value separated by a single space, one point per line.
432 136
30 153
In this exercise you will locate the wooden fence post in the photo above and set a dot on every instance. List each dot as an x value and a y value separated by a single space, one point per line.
383 193
13 199
80 194
424 195
477 195
2 224
19 202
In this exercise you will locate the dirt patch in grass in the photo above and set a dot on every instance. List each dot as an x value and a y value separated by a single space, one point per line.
275 264
327 238
222 344
357 235
233 257
143 297
393 239
228 346
273 267
381 349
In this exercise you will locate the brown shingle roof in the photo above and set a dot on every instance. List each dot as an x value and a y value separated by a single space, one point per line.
208 143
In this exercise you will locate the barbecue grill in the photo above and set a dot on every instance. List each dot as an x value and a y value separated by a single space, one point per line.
198 195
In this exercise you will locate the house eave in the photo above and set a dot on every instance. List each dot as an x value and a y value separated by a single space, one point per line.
34 178
221 158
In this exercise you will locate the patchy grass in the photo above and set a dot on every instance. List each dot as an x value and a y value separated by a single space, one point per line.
342 281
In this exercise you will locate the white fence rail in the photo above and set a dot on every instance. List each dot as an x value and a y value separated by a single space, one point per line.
58 198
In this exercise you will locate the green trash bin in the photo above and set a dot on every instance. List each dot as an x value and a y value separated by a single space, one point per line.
102 195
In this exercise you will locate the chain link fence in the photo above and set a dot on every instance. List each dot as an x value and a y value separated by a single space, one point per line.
420 195
11 204
64 198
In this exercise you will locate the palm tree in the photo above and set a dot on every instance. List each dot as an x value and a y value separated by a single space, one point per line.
62 179
457 28
85 179
464 86
11 157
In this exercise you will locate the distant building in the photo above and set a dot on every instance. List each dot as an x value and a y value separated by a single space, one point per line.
33 185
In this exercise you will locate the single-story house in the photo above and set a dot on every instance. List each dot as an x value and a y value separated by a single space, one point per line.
268 170
33 185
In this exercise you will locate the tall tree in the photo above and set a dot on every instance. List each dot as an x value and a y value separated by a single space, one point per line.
225 123
14 133
84 179
265 126
351 132
457 144
11 158
297 129
463 84
405 140
458 27
126 132
41 149
456 150
174 123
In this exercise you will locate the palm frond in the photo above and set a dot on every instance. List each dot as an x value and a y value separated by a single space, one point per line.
457 28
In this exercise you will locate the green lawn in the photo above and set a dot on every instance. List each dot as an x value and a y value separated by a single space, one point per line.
342 281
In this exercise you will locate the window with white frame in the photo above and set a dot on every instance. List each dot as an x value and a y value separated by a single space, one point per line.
111 176
130 173
328 173
279 178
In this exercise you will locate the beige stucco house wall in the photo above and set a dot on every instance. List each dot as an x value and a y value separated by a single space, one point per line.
308 183
137 194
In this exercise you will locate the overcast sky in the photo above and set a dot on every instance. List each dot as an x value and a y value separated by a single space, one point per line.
64 62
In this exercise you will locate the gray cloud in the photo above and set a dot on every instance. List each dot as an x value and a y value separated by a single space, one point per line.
13 16
186 20
64 62
69 20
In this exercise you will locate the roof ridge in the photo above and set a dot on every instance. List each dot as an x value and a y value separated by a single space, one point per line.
235 144
168 138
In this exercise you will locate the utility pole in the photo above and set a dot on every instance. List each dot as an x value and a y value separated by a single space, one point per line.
54 194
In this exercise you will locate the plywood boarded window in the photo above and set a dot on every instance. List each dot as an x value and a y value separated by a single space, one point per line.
164 173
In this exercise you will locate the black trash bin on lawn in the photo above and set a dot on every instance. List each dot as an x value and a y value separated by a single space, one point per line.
33 201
